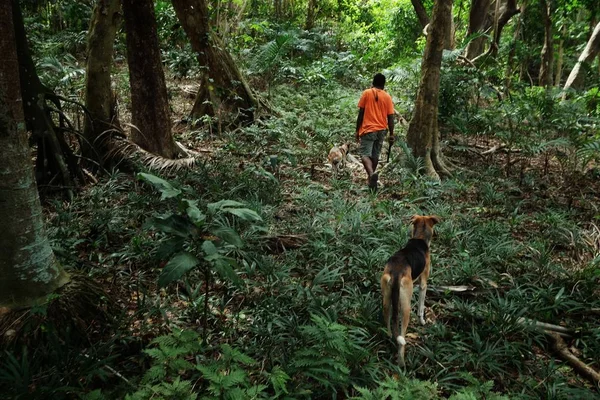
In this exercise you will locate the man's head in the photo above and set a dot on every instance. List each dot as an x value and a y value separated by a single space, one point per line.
379 81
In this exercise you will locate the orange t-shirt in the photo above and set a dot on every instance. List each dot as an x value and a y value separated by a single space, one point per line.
378 105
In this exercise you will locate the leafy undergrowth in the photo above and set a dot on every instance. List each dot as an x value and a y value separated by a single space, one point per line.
301 318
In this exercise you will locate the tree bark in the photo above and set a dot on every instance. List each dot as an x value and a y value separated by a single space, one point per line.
99 97
507 11
560 56
310 15
149 105
423 125
54 156
28 268
501 16
577 76
545 75
421 12
479 22
224 92
513 50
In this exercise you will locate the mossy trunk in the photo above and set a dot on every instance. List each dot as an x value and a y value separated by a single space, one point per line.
54 156
150 114
28 269
224 93
99 97
423 124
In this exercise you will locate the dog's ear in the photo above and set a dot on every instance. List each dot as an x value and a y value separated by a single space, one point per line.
435 219
414 218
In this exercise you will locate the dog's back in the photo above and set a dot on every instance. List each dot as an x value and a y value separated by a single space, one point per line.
411 256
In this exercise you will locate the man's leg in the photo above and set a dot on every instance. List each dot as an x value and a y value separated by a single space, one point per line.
366 150
377 146
368 164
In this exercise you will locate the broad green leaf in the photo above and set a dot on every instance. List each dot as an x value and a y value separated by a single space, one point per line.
244 213
223 266
169 247
174 224
176 268
192 211
229 235
209 248
167 190
219 205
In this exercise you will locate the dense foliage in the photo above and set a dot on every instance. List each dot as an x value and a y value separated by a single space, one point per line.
255 274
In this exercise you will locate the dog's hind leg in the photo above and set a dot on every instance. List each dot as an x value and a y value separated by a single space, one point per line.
406 290
422 293
386 292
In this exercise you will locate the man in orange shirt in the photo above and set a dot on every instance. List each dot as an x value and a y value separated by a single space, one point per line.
375 117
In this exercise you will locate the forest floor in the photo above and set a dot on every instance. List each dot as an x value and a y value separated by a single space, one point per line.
522 245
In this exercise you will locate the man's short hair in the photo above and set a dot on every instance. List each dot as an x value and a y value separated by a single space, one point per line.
379 80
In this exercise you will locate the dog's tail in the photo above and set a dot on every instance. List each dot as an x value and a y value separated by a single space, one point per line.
395 282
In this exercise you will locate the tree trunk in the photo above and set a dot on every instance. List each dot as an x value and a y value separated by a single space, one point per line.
149 104
507 11
423 125
28 268
577 76
512 52
99 98
421 12
479 22
560 56
501 16
545 76
223 93
310 15
54 156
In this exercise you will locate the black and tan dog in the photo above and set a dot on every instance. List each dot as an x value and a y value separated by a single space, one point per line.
404 267
337 157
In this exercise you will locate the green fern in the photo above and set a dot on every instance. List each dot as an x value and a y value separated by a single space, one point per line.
168 358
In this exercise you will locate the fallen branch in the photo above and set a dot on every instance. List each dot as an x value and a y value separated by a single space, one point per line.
561 349
545 326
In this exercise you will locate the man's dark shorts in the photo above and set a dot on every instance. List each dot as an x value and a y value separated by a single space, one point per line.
371 144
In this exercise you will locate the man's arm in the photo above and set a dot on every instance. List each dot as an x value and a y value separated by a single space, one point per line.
359 121
390 119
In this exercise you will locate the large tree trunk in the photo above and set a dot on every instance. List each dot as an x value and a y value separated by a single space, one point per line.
149 104
28 268
224 92
99 98
54 156
545 75
423 125
310 15
479 22
577 76
421 12
507 11
503 12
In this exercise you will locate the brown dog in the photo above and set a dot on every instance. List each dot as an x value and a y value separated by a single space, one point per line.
337 157
407 265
